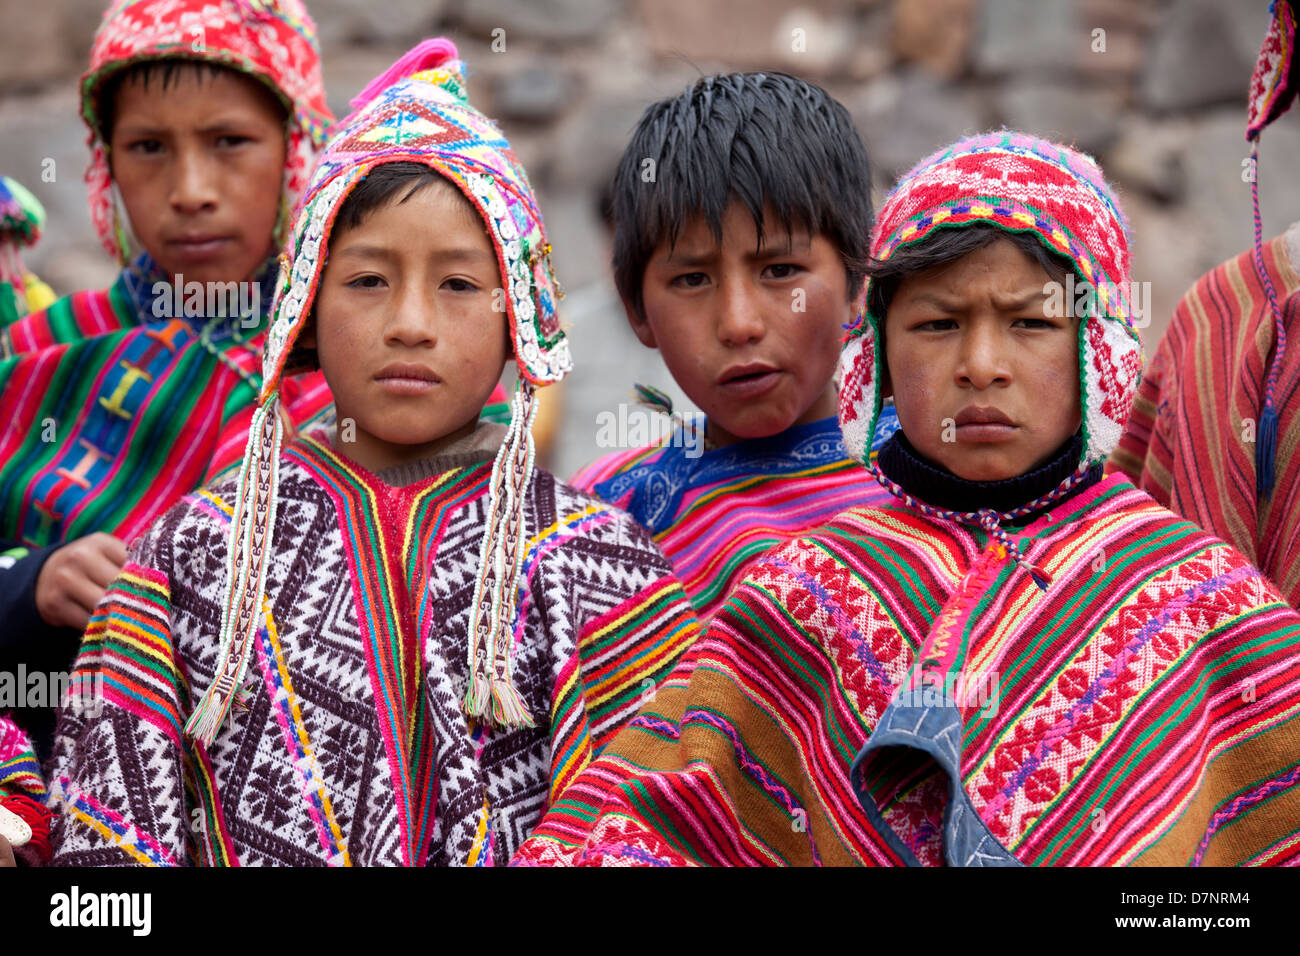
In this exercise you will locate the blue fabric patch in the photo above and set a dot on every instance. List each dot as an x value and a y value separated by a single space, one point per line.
659 483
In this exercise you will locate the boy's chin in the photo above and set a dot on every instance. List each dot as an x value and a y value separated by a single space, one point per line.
977 466
754 421
234 267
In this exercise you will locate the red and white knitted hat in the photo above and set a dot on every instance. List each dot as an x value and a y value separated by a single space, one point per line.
1023 184
272 40
1018 183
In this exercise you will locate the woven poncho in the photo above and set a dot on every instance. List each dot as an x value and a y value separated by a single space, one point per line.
110 414
894 689
1215 429
714 514
350 746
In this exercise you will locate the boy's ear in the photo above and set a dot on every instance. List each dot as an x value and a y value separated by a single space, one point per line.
640 327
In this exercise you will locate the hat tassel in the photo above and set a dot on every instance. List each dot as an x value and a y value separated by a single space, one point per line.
249 557
490 692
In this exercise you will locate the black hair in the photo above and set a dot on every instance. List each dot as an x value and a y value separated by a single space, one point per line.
381 184
760 137
168 72
947 245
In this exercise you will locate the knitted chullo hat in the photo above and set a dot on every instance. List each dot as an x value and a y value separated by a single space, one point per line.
415 112
1020 184
272 40
1273 88
22 217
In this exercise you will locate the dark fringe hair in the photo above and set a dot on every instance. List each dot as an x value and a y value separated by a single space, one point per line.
168 73
760 137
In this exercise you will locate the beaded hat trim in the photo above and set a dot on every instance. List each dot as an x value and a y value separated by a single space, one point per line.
415 112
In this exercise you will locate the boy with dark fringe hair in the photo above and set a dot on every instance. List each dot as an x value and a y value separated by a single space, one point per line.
742 216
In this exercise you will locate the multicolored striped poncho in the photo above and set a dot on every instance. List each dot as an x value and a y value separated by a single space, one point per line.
1144 710
1190 441
716 513
352 747
109 412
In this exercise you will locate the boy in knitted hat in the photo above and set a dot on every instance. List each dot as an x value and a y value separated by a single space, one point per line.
395 643
1213 434
204 119
740 262
1016 661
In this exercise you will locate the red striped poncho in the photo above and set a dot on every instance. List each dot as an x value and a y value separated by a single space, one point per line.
716 513
109 415
1190 441
1144 710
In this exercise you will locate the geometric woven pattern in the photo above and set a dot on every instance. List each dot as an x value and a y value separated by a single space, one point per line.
352 748
1146 710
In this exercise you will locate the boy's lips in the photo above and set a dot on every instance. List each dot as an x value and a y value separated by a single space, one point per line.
406 378
198 248
984 424
749 380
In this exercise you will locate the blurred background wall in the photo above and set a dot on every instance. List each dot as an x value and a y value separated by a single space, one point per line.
1155 90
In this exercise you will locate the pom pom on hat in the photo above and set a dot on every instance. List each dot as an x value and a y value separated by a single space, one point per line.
425 55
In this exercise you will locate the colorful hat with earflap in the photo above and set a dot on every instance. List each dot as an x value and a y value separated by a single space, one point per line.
1273 88
21 219
415 112
1021 184
272 40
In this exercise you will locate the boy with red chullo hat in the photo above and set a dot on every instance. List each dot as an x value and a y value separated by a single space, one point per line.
204 122
1019 661
204 119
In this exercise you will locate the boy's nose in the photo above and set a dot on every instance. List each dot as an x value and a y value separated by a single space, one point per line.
194 185
412 322
982 362
739 321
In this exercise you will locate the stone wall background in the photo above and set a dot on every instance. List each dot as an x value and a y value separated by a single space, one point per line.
1158 98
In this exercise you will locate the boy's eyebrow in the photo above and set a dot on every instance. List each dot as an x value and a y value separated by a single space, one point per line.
1013 302
1006 303
768 250
676 258
775 247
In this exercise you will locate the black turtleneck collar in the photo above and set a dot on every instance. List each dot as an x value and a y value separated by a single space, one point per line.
940 488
